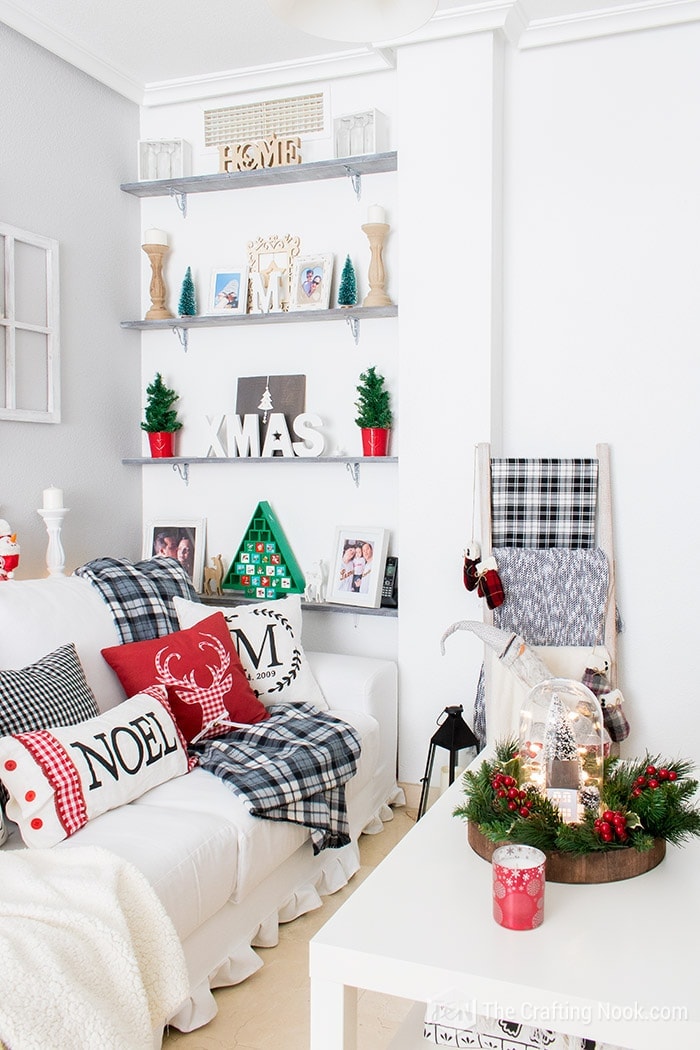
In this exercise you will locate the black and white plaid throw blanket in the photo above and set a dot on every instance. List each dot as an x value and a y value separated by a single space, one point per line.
140 595
543 502
293 767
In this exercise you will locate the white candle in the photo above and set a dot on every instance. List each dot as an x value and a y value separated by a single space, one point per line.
53 498
375 213
155 237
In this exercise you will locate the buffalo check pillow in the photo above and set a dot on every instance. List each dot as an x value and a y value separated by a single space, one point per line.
61 777
51 692
207 686
267 637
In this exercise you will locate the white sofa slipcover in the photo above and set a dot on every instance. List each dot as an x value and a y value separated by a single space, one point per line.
226 879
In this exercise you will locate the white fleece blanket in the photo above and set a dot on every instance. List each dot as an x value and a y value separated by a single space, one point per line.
88 956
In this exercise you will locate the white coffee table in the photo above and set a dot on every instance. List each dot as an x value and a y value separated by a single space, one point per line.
616 962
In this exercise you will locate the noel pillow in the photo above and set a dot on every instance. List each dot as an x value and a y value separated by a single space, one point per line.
207 686
267 637
59 778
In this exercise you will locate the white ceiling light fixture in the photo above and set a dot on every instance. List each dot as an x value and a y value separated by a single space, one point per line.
355 21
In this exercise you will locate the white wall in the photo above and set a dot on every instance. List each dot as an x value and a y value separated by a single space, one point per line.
545 231
602 317
67 142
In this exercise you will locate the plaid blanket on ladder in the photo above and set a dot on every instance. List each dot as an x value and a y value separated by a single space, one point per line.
293 767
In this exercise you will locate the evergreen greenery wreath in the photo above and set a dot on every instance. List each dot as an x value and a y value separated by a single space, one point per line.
641 800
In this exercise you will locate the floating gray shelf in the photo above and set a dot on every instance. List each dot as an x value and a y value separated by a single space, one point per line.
350 167
235 599
356 313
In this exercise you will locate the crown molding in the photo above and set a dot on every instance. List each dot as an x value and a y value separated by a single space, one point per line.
64 47
524 31
518 20
261 78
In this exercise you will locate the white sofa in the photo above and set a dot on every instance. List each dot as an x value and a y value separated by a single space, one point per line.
225 878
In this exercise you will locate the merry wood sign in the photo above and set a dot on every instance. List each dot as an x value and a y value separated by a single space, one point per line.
260 153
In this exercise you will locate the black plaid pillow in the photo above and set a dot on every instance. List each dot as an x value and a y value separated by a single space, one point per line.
51 692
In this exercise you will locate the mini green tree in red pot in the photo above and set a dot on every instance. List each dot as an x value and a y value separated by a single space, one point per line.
161 420
374 413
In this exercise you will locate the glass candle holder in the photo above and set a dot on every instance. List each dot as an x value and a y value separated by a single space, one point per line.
518 886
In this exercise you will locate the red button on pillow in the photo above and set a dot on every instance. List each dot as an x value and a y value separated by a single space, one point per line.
201 670
10 765
29 796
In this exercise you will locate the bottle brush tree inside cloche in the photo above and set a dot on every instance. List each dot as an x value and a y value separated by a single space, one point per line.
374 415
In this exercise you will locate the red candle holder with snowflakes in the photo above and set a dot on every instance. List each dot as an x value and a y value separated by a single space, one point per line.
562 746
518 887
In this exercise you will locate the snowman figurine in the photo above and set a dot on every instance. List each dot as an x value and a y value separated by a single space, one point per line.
9 551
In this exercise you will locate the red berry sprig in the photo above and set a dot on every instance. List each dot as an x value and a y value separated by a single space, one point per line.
612 826
506 788
654 777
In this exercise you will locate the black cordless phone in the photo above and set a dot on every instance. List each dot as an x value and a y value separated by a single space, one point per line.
390 585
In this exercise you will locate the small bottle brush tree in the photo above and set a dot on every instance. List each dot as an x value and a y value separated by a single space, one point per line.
373 405
187 307
161 417
347 291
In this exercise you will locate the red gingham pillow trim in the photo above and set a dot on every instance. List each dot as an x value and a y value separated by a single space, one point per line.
59 769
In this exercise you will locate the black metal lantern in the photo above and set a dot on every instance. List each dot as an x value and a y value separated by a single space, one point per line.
454 735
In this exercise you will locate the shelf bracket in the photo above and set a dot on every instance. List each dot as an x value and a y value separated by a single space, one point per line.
183 336
354 323
183 469
181 201
355 179
354 471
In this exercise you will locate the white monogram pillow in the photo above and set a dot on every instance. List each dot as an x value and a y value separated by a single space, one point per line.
267 637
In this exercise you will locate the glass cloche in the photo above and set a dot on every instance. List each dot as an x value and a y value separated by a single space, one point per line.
561 745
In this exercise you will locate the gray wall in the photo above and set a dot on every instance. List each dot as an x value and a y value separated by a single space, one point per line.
66 143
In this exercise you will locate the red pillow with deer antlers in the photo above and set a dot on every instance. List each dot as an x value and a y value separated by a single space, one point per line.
207 686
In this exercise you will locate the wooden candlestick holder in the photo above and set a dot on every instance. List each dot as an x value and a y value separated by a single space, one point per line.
376 235
157 290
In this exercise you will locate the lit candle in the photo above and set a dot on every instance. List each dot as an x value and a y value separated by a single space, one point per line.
375 213
53 498
155 237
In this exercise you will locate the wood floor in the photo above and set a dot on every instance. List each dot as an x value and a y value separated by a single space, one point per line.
270 1011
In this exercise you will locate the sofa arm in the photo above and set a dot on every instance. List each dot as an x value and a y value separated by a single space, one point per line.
361 683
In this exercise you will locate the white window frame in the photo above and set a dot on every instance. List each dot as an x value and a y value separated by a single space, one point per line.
11 324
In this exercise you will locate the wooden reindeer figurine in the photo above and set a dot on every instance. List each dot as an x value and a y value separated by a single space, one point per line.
214 575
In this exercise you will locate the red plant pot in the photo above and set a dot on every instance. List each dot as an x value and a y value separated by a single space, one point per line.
161 444
375 441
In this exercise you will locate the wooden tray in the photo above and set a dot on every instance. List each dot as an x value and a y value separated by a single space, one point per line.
612 866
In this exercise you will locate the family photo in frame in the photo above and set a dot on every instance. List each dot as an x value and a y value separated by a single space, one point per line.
183 540
357 568
311 282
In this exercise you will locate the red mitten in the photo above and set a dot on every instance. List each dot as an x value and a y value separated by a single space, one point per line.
490 586
470 572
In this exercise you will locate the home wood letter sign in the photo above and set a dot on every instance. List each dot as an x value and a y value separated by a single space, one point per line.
260 153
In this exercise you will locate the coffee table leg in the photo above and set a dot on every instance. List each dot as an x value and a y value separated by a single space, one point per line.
333 1015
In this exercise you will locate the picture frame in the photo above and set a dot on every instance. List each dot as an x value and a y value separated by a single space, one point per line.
350 580
183 539
311 282
228 290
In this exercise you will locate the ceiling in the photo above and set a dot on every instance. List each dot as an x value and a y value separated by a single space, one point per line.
158 50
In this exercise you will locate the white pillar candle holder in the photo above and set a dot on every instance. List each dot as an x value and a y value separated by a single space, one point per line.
55 555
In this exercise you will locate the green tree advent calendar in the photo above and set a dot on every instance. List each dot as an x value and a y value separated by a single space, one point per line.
264 566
